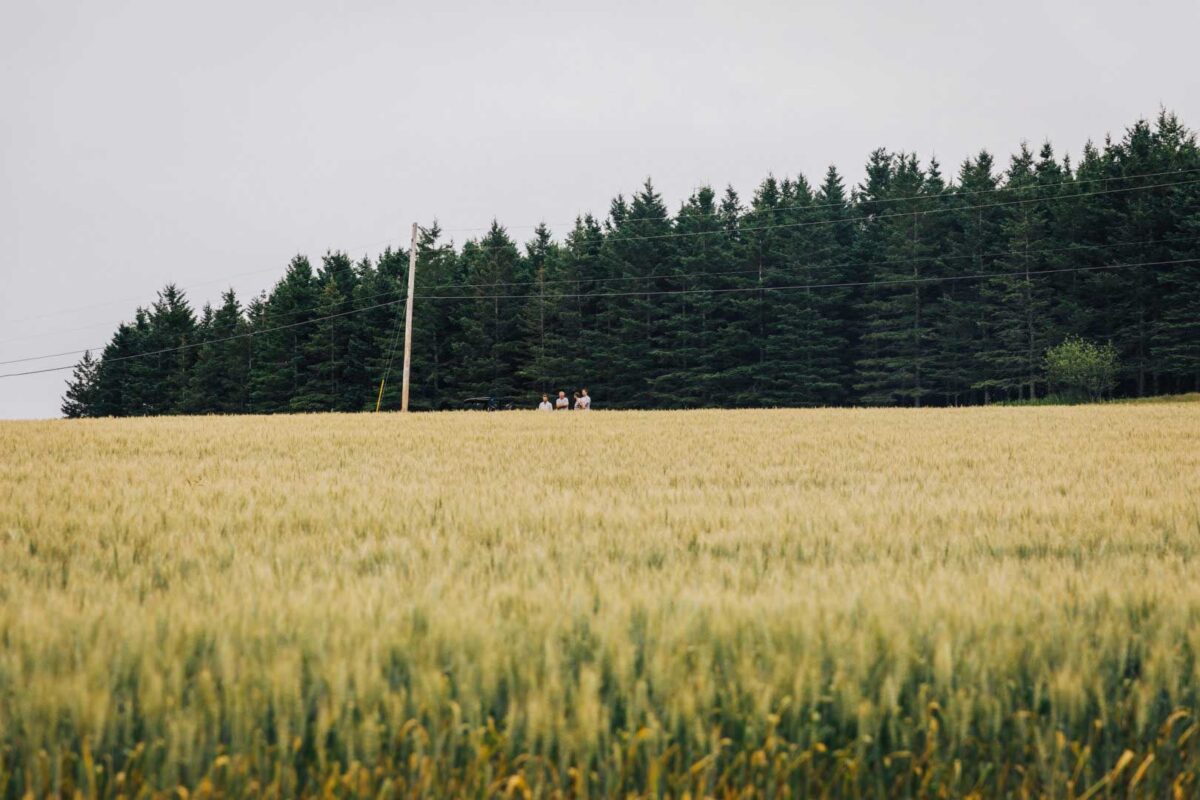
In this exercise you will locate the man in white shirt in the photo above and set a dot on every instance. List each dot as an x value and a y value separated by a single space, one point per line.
561 403
545 404
584 403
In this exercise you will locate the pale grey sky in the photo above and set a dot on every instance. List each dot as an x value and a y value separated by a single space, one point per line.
206 143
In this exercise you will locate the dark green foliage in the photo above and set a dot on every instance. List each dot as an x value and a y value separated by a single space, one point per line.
637 264
693 326
974 242
80 398
169 345
279 370
489 351
1176 333
899 307
1022 297
911 290
218 378
542 322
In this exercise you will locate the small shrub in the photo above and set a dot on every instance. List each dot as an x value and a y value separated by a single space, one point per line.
1082 370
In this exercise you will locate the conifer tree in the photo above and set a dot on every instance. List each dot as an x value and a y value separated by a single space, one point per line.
119 384
324 353
168 343
1177 332
832 239
639 260
489 354
972 243
281 360
773 237
575 343
218 380
1021 311
540 316
690 328
80 397
898 330
1154 218
441 294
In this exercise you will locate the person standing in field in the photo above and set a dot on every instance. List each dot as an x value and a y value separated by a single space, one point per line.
561 403
545 404
584 402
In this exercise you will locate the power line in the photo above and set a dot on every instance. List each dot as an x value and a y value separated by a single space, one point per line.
841 285
949 193
214 281
662 292
617 237
677 276
191 345
839 265
849 202
677 234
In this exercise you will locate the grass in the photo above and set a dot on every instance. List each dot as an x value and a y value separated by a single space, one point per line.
845 603
1062 400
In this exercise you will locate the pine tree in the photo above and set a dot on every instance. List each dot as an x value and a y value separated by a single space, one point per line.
898 332
323 354
804 345
971 249
1020 310
281 359
690 325
757 253
168 343
378 303
540 315
931 275
770 233
490 354
638 259
733 360
331 383
575 343
1177 332
832 239
1130 225
357 382
80 397
218 380
869 203
438 379
119 383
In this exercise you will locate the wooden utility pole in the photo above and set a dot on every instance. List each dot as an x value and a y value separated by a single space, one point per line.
408 315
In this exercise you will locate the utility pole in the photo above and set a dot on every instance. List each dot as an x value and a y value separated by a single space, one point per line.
408 315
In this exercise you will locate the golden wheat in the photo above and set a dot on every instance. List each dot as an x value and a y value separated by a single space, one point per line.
839 603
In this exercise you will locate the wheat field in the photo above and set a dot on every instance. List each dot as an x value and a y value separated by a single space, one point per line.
843 603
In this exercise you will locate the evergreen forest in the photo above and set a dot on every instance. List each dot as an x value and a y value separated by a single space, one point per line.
914 286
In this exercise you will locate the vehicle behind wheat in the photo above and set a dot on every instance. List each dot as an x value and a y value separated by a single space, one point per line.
490 403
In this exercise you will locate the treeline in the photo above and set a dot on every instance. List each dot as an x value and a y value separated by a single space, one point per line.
911 288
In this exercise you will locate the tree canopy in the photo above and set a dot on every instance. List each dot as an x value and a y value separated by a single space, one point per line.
914 287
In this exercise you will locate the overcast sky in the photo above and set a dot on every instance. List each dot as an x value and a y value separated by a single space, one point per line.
207 143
